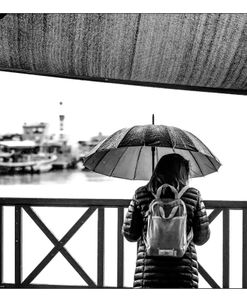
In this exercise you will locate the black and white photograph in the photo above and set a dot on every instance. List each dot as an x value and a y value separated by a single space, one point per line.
122 150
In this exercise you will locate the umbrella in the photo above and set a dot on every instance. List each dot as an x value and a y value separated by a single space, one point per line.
132 153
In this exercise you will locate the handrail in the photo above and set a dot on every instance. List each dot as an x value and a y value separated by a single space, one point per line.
84 202
26 204
63 202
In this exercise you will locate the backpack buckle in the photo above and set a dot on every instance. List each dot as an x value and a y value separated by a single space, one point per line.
172 253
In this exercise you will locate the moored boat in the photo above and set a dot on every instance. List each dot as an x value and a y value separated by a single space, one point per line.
24 156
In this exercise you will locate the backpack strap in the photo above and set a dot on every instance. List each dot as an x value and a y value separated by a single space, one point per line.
176 193
191 234
181 192
173 212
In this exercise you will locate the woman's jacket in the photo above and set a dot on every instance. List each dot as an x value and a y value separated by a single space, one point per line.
161 271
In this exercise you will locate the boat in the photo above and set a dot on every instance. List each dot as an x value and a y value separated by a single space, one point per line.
65 159
24 156
35 150
51 144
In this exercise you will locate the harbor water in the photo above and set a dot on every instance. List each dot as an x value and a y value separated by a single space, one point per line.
83 245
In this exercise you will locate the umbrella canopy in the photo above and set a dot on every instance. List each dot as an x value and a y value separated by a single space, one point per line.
128 152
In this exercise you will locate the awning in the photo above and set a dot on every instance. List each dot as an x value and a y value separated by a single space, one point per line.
205 52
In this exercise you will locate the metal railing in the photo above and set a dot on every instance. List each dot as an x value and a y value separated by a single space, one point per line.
99 205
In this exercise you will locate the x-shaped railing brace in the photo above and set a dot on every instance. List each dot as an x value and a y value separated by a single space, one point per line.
59 246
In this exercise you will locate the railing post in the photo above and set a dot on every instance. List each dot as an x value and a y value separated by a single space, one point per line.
120 250
1 245
244 272
226 248
101 244
18 246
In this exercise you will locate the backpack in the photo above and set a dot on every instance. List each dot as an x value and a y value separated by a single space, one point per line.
167 224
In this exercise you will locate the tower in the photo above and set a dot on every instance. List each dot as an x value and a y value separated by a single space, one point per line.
61 121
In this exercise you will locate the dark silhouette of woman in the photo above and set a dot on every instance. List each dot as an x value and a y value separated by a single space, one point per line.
163 271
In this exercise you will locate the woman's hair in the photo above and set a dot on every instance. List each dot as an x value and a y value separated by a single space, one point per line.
172 169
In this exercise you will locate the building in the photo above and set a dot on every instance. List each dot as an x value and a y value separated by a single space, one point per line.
35 132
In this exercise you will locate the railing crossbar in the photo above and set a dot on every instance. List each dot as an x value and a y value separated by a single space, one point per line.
59 246
207 277
214 214
55 241
105 203
51 286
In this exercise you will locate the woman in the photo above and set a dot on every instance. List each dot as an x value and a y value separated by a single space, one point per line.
161 271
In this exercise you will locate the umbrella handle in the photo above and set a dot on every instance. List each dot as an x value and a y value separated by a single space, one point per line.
153 158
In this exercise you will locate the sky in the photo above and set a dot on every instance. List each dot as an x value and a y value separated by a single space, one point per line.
219 120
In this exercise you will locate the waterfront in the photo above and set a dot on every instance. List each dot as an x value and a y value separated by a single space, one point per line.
78 184
66 183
